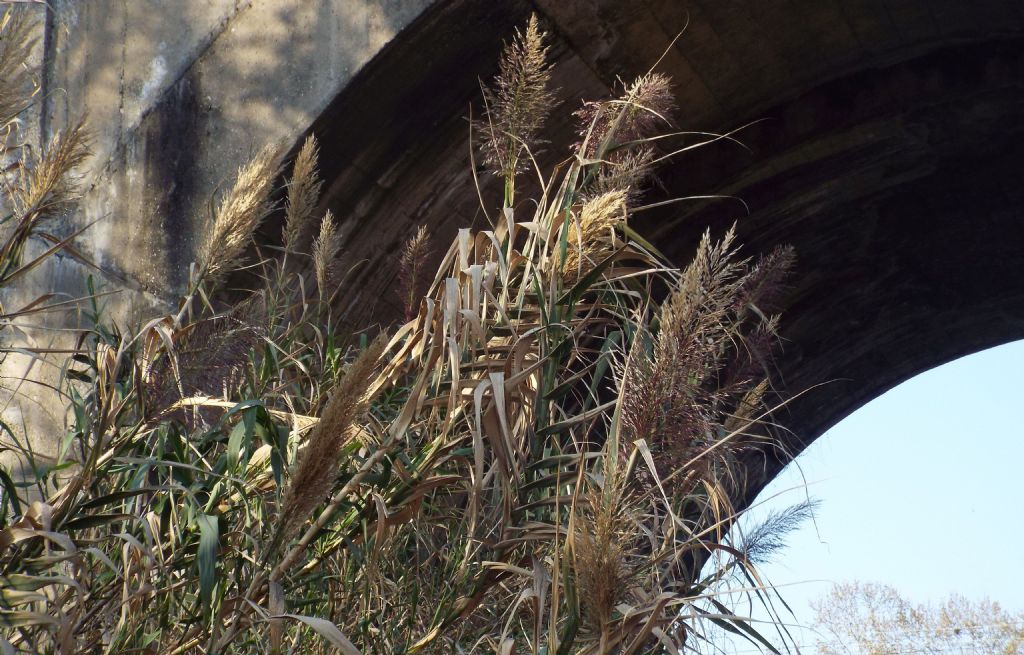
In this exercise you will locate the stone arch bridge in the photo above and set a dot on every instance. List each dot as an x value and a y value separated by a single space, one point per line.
887 146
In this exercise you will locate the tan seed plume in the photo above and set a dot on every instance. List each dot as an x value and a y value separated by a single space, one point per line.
590 241
325 252
601 554
41 191
411 271
16 44
318 464
239 214
518 102
47 187
643 110
628 172
303 193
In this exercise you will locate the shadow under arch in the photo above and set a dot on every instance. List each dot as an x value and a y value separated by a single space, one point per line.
889 157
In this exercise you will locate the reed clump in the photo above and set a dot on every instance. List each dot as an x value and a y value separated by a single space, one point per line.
540 459
37 187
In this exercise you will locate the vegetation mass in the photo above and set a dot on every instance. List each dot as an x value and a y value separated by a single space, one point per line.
541 459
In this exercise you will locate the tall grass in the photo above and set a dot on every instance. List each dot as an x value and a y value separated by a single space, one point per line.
37 186
539 460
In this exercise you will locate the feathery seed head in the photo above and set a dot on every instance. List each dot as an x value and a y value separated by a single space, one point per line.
642 399
650 104
239 214
602 548
303 194
769 537
593 239
705 375
765 283
628 171
16 84
518 102
411 274
644 108
749 405
48 187
325 252
318 464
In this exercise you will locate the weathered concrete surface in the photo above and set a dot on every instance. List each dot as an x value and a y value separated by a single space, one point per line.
181 93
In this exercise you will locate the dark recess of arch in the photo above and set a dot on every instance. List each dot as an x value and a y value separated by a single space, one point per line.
893 167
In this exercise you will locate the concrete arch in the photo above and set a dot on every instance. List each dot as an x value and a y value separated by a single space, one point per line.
888 155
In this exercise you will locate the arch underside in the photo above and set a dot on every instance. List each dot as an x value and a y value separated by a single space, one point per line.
886 150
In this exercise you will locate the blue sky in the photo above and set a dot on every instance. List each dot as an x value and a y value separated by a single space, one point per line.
921 489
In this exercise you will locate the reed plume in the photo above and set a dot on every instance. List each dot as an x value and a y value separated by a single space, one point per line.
325 253
689 352
16 84
769 536
42 189
593 238
705 375
608 128
751 403
517 103
649 105
763 287
238 215
303 194
602 549
47 186
411 265
317 466
628 171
